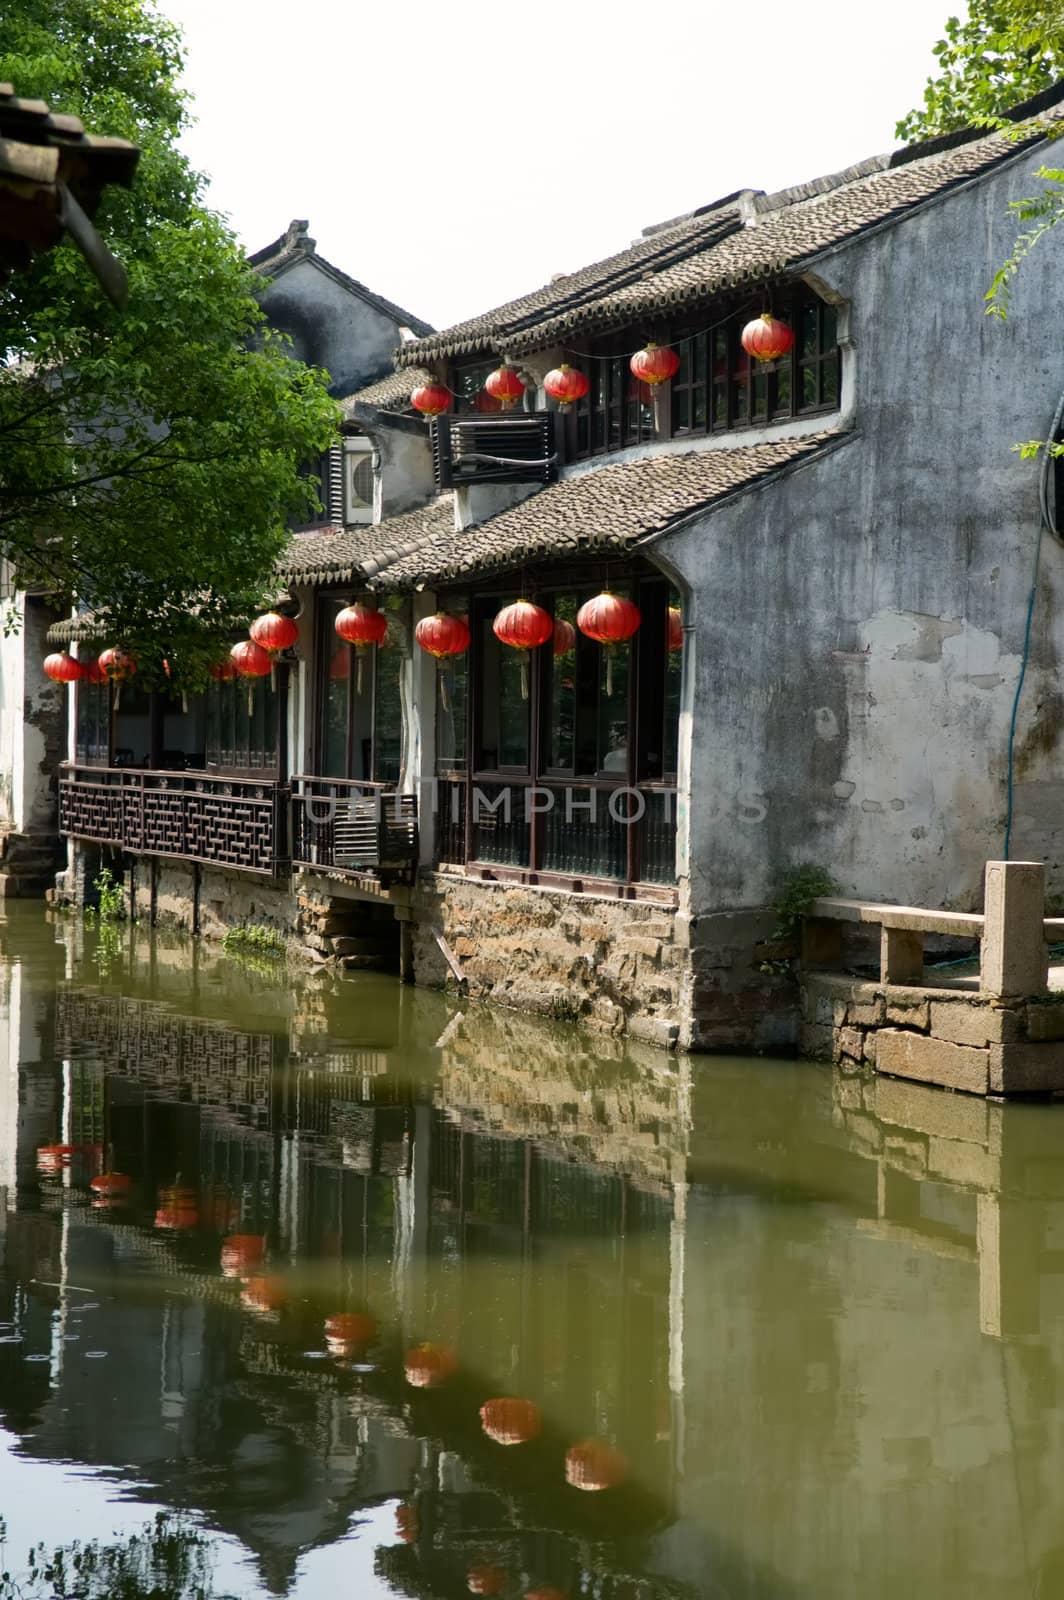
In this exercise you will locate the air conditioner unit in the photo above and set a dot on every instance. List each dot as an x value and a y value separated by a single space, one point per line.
508 449
358 486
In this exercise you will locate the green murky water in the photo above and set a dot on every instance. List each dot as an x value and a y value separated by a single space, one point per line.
761 1331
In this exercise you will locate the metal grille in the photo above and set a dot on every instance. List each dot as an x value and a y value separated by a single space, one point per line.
221 821
513 449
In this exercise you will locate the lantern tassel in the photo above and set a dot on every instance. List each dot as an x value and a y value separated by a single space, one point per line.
251 698
273 674
118 694
184 703
358 669
524 674
609 672
444 702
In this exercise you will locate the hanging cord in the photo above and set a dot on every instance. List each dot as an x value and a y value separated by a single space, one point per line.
1046 520
739 311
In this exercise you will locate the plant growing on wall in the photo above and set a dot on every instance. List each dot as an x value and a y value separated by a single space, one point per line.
799 888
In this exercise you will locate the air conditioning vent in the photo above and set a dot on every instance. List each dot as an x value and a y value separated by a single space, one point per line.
514 449
358 486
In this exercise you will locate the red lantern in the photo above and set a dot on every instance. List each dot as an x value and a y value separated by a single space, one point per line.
361 626
656 364
485 1580
340 664
511 1421
766 338
91 670
609 619
349 1332
240 1252
504 386
111 1184
547 1593
428 1365
593 1465
442 635
675 628
116 665
222 671
431 399
567 385
62 668
523 626
274 632
564 637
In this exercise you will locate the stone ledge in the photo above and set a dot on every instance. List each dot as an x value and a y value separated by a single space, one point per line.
926 1060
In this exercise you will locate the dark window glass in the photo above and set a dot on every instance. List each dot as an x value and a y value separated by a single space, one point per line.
336 711
504 699
388 715
452 702
94 713
561 716
242 717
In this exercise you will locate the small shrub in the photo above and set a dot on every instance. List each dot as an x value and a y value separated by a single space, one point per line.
254 938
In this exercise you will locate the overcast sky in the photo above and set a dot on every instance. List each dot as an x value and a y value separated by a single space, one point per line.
452 156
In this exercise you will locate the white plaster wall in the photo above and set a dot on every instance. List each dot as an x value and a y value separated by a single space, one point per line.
859 623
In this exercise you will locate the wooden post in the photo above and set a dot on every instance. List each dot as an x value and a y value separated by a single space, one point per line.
901 956
1014 959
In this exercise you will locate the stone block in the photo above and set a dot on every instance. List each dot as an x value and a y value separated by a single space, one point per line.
707 957
1013 957
866 1013
1045 1022
960 1162
927 1060
967 1022
649 949
1026 1068
465 947
849 1042
848 1093
908 1013
722 1040
922 1109
870 1046
901 956
594 932
816 1039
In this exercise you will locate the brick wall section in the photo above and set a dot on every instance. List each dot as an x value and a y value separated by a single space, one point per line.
939 1036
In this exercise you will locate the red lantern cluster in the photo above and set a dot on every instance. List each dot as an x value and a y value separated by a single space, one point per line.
608 618
655 364
566 385
274 632
766 338
505 386
511 1421
443 636
116 665
523 626
62 668
361 625
250 660
241 1252
431 399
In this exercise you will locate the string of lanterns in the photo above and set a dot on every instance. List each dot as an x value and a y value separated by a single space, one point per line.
765 339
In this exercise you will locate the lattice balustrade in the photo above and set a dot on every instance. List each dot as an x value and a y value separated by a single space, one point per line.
221 821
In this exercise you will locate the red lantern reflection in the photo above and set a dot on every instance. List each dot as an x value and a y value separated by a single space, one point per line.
485 1580
594 1465
178 1210
511 1421
347 1333
407 1521
427 1366
241 1252
265 1296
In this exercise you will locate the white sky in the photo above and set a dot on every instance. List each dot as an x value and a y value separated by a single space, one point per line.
453 155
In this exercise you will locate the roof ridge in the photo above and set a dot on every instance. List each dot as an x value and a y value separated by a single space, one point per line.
1032 107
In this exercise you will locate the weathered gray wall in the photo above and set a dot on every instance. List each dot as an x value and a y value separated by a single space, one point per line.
330 326
858 625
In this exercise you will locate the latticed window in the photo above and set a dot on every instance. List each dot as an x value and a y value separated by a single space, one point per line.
719 387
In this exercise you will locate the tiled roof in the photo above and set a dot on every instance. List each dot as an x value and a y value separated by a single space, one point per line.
362 552
43 155
85 628
607 509
295 245
602 510
389 394
745 239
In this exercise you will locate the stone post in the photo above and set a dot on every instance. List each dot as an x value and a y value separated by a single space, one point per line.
901 956
1014 959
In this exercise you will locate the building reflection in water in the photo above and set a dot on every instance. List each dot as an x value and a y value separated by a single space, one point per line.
805 1328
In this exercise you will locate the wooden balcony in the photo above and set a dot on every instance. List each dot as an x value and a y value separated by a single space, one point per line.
226 822
339 825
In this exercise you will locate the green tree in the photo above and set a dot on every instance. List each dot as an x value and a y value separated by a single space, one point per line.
169 1559
149 458
1003 52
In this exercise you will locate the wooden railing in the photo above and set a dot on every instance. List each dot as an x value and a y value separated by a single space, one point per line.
227 822
344 826
1013 931
591 830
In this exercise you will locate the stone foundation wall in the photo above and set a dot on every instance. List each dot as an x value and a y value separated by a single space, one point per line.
938 1036
619 966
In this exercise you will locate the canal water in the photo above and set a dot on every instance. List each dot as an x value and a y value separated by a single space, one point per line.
314 1287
